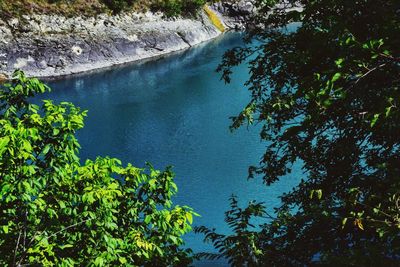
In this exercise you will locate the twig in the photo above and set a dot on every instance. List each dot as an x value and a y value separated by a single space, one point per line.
47 237
369 71
66 228
16 247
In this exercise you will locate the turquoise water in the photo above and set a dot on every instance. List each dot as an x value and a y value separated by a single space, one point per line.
175 111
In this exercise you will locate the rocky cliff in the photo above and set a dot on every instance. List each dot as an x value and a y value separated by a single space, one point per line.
53 45
235 14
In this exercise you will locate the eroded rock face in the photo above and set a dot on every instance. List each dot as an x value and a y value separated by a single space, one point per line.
51 45
235 14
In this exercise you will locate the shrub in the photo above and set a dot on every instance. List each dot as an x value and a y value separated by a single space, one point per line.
118 5
54 210
174 8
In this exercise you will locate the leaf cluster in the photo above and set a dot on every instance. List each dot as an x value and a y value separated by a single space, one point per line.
174 8
240 248
326 93
55 211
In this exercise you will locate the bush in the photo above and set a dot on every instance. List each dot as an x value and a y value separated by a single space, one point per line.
192 6
174 8
118 5
54 210
325 96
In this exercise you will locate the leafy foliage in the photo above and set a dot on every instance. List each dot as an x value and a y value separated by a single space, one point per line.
56 211
327 95
240 248
118 5
173 8
18 8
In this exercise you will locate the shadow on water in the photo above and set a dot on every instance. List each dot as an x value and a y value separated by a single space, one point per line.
175 111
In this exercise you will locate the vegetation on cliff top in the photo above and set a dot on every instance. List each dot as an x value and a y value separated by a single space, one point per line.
93 7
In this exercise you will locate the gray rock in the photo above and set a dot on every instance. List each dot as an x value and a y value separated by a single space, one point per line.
52 45
235 14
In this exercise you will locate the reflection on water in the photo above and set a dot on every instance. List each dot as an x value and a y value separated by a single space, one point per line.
175 111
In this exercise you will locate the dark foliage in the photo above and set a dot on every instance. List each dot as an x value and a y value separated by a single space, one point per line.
327 96
173 8
118 5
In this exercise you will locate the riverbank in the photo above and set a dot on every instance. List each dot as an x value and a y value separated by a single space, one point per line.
48 45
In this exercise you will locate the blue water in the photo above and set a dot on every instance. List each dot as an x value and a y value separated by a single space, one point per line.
175 111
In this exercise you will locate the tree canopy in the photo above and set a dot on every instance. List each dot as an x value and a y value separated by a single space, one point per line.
171 8
55 211
327 96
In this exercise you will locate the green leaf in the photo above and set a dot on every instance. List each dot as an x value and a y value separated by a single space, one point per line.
147 219
66 246
336 77
62 204
387 111
46 149
374 120
173 239
339 62
189 217
319 193
3 144
344 221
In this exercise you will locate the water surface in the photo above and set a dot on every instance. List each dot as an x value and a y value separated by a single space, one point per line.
175 111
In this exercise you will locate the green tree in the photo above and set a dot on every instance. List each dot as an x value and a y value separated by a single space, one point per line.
327 96
173 8
56 211
118 5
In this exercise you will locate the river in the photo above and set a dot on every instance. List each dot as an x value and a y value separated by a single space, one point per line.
175 111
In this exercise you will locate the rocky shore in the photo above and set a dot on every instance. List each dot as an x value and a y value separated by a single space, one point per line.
53 45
